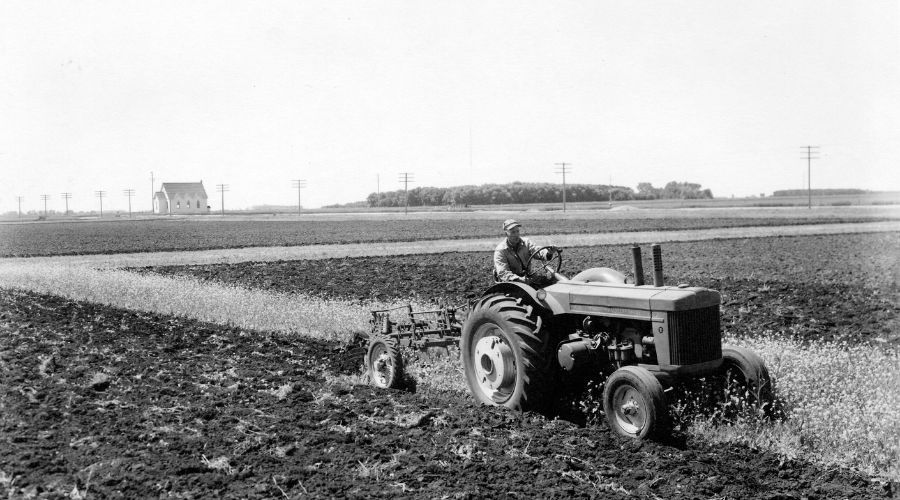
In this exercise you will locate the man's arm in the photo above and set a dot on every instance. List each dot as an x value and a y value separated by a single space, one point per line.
544 254
502 268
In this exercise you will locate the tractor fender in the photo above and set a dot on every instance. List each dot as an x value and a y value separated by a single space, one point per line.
516 289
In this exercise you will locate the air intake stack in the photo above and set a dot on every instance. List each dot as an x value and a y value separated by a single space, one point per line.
638 265
657 265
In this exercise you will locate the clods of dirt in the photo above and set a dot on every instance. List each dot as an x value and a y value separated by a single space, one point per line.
193 410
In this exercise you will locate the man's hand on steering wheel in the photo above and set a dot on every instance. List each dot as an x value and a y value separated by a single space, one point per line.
551 254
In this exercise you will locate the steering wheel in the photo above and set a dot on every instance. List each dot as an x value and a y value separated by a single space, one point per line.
557 256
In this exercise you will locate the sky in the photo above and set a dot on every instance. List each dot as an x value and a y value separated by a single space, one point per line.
96 95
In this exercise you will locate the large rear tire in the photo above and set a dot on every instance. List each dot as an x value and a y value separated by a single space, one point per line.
503 356
747 377
635 403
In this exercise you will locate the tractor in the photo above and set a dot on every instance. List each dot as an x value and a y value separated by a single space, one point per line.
516 341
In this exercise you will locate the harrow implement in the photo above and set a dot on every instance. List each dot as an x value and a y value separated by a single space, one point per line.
401 327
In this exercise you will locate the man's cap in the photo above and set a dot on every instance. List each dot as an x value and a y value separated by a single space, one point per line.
510 223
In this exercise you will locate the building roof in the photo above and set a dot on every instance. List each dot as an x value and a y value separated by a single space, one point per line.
175 188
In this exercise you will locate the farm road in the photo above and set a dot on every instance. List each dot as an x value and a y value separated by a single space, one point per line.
313 252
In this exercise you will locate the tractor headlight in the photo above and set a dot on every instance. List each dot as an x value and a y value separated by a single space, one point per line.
541 294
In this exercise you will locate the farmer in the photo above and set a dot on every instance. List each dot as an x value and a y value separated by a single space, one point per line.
512 253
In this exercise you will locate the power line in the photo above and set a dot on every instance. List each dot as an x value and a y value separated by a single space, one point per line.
100 194
222 188
45 197
299 184
563 168
129 193
406 178
812 153
67 197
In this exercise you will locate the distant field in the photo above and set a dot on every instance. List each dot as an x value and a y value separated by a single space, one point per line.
210 232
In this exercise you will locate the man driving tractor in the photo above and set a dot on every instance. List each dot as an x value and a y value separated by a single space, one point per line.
514 252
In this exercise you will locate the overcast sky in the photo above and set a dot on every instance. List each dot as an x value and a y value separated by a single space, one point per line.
96 95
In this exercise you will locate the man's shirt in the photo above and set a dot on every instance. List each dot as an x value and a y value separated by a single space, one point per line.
509 262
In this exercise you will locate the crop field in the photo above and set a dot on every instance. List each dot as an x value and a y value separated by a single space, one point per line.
198 377
211 232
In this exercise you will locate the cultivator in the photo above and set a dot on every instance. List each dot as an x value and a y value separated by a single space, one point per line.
401 327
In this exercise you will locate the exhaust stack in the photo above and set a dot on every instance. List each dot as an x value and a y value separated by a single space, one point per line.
638 265
657 265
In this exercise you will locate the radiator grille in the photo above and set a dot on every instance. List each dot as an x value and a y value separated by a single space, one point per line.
694 336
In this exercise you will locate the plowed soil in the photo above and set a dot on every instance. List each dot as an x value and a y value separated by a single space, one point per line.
835 287
118 236
97 402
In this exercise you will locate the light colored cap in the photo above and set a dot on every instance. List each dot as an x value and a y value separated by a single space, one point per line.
510 223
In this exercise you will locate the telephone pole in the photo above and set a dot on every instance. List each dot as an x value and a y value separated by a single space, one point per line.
67 197
129 193
100 194
299 184
152 194
563 168
812 153
45 197
222 188
19 199
406 178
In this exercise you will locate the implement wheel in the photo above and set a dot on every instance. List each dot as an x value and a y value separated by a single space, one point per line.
384 363
635 404
503 357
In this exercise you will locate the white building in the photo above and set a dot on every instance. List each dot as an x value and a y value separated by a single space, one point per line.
181 198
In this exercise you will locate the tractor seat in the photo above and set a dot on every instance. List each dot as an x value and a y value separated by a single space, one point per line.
599 275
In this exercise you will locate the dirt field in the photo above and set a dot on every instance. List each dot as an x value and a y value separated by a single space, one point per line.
154 235
101 402
98 402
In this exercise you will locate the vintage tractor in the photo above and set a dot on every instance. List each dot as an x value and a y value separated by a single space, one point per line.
516 341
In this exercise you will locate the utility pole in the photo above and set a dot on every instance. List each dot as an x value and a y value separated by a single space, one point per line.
406 178
100 194
222 188
67 197
19 199
812 153
378 184
563 168
299 184
152 194
45 197
129 193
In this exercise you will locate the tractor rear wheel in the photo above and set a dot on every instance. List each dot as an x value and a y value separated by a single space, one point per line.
503 357
747 377
384 362
635 403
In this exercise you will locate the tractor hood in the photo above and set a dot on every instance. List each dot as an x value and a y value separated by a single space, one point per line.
624 300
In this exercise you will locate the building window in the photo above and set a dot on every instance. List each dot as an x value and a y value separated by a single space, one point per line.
188 204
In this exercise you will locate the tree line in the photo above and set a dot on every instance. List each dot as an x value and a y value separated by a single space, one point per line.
533 192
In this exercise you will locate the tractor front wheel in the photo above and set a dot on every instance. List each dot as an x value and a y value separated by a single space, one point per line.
384 362
503 357
635 404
